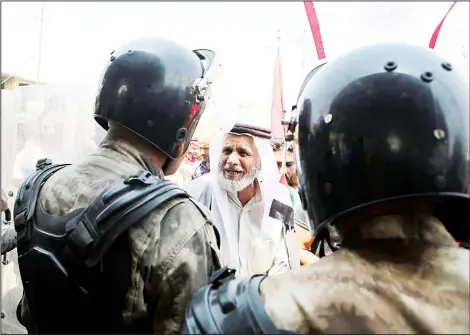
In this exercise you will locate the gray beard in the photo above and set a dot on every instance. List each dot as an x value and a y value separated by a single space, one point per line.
235 186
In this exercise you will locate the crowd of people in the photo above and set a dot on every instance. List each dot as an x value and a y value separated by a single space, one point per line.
341 227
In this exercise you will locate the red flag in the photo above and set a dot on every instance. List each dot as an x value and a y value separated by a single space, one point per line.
315 28
277 103
435 35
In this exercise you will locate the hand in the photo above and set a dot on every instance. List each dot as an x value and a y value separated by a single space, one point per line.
306 257
4 202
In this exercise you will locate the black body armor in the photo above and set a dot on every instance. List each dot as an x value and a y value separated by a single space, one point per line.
229 306
76 268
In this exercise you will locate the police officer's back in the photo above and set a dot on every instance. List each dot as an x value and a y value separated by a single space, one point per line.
383 144
151 98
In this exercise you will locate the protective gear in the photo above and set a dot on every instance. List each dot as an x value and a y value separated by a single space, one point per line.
387 278
71 248
389 274
389 122
45 116
158 90
229 307
464 245
310 75
326 242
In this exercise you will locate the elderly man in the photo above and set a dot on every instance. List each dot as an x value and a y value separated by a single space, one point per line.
252 211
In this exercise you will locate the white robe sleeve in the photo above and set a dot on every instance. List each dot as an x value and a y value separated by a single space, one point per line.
200 189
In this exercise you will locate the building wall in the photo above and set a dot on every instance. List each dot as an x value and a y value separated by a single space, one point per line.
14 82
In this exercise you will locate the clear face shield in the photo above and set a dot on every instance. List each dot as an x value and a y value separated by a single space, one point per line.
209 96
202 91
39 121
218 106
294 123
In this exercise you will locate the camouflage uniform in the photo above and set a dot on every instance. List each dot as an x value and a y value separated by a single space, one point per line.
4 202
372 162
397 275
8 239
174 249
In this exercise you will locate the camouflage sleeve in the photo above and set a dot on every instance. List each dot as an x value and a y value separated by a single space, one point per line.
8 237
4 202
189 270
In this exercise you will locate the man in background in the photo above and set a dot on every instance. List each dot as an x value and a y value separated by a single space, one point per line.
204 165
302 231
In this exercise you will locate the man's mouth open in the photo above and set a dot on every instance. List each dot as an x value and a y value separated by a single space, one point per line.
230 174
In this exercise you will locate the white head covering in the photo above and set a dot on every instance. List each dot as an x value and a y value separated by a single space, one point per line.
271 189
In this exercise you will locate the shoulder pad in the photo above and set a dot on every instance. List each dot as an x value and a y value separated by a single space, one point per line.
26 200
229 305
114 211
199 206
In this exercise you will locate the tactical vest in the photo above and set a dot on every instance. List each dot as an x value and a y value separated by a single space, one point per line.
76 268
229 305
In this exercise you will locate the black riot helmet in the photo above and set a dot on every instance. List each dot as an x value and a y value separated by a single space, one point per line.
158 90
384 123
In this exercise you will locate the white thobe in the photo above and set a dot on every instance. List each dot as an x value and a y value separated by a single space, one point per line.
257 252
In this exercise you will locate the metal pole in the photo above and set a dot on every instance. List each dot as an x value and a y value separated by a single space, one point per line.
40 43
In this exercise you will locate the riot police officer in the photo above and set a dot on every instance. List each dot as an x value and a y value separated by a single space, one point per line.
107 245
383 143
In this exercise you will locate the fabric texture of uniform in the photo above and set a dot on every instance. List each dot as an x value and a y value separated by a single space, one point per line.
8 237
4 202
173 249
399 275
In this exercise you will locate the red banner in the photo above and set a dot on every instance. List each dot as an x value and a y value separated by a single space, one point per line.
277 103
435 35
315 28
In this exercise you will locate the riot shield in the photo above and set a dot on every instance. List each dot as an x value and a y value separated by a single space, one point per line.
53 121
11 281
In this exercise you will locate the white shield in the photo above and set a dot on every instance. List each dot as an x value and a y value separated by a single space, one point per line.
40 121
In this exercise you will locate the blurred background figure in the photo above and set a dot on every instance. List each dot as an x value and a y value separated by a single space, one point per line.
291 175
302 231
190 161
204 161
28 154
